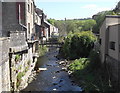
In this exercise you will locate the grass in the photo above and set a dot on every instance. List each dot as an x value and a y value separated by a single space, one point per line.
17 57
42 50
19 78
90 78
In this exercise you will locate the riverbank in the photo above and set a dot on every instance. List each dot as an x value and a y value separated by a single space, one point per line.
88 73
89 76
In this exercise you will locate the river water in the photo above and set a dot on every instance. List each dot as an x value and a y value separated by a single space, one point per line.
53 79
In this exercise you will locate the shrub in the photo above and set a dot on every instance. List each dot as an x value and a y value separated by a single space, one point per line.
78 44
95 61
78 64
19 78
88 74
17 57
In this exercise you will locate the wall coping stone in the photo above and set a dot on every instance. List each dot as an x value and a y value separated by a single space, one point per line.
18 48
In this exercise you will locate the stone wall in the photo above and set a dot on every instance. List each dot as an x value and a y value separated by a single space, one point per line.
17 38
9 20
21 60
113 67
0 18
19 66
4 64
18 57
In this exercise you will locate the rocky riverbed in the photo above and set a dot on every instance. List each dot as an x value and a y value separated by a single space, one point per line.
56 76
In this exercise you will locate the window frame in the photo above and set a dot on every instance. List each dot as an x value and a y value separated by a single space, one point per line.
112 45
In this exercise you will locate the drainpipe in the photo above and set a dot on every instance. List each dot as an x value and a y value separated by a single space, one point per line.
19 21
118 56
10 66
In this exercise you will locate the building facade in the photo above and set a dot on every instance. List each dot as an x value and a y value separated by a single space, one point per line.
16 35
22 27
110 48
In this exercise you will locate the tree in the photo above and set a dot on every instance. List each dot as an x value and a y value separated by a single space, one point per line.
51 21
78 45
100 18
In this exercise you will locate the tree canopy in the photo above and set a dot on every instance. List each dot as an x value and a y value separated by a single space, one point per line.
100 18
78 25
78 45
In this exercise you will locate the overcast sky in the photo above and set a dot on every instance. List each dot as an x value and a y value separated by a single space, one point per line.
71 9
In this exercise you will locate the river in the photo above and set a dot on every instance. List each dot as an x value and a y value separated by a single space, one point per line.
53 79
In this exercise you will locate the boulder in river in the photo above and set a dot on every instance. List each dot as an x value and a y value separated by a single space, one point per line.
64 69
48 65
57 72
42 69
54 89
61 80
54 77
62 62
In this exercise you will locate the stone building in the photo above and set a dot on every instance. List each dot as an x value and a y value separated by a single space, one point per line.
22 26
17 33
4 64
110 47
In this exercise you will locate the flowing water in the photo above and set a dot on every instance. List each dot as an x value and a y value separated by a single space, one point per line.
53 79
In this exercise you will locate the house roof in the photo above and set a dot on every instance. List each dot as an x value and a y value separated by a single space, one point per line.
112 16
47 23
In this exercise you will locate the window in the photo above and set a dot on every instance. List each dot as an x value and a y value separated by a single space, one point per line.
28 8
31 8
29 28
112 45
100 41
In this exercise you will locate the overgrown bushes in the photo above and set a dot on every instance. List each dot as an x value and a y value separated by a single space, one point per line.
19 78
78 45
88 74
78 64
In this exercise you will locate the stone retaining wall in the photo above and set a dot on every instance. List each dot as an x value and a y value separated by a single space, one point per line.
4 64
16 61
113 67
21 59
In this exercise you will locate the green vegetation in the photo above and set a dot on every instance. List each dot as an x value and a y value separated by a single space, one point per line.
19 78
17 57
100 18
42 50
78 45
20 75
78 41
75 25
78 64
19 68
26 69
89 75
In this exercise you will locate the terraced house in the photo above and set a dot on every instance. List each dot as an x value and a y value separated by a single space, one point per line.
20 52
21 31
18 44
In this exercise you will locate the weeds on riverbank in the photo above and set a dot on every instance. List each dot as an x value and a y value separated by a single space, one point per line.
88 73
42 50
